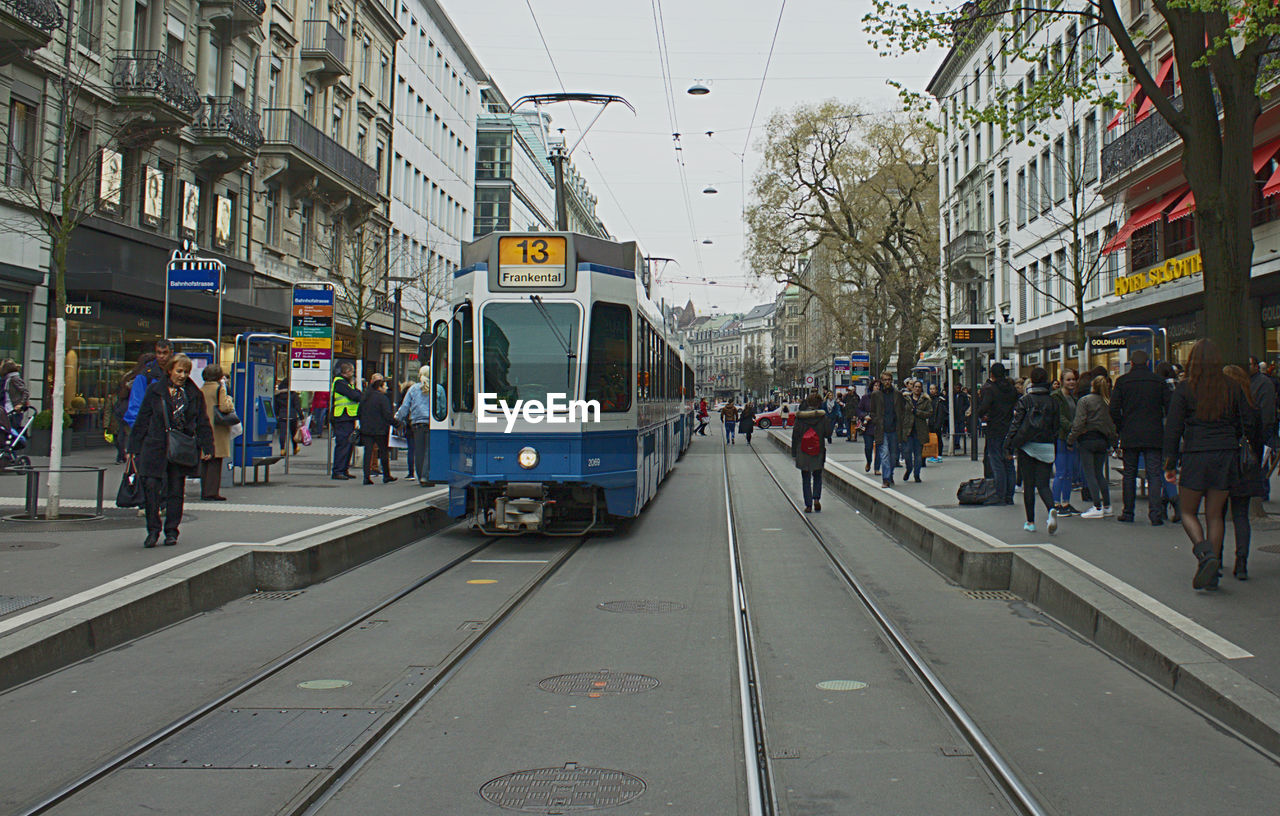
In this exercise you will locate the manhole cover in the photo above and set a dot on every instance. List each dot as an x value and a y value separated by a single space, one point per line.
1271 548
316 685
990 595
598 684
571 789
12 603
842 685
642 606
276 596
19 546
61 517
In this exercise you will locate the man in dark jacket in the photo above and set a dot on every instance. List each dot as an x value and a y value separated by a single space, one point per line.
959 420
1138 405
995 406
851 411
888 406
1263 389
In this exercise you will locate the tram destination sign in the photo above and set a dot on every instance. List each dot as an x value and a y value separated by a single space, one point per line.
531 262
311 352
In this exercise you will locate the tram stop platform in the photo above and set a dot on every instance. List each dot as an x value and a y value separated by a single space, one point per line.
72 588
1125 586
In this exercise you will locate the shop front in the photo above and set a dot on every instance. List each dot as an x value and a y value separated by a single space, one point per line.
1106 352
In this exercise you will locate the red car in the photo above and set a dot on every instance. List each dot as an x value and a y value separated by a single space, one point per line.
768 419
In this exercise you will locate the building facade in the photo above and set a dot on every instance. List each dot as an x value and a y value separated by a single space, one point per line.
757 350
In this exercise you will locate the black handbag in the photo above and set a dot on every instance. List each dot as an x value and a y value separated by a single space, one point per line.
130 492
1093 441
221 417
180 446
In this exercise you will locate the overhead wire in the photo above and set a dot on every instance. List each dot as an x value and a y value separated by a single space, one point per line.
764 75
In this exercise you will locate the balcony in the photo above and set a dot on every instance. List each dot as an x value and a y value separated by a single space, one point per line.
324 50
26 25
234 17
1139 143
313 159
157 88
966 255
228 134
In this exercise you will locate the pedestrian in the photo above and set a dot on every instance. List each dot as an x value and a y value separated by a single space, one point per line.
747 420
702 417
171 405
376 419
996 401
960 420
16 395
408 434
319 412
152 372
1166 372
1252 482
1263 390
288 408
1065 459
939 422
729 416
346 406
809 450
216 398
1033 433
869 448
415 409
1094 433
834 414
1204 428
1084 387
121 406
375 379
913 429
887 408
851 413
1139 402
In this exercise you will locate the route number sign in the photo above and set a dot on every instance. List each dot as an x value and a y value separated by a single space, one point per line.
531 261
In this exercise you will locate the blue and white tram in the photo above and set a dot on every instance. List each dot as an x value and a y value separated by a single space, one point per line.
543 328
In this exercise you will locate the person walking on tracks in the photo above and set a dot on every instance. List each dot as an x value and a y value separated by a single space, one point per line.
809 450
346 406
1033 433
729 416
1202 452
995 406
172 414
1139 402
747 420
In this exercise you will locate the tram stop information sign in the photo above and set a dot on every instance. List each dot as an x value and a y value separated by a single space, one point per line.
311 352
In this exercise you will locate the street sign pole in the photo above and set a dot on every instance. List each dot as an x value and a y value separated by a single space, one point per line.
190 272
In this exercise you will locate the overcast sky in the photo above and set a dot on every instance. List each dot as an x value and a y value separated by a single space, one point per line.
630 161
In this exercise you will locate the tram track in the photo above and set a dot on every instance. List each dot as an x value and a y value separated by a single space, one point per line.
316 793
761 787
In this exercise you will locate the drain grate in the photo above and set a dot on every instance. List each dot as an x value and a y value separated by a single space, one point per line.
598 684
990 595
955 751
12 603
572 789
285 595
20 546
652 607
1270 548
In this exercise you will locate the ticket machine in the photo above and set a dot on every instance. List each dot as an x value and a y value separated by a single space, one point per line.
253 379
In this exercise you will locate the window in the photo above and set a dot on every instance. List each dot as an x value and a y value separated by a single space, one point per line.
20 155
1004 194
1144 246
273 82
88 22
384 77
1033 191
1060 169
1046 181
306 222
1022 293
521 352
175 34
462 340
336 129
1091 147
309 102
439 371
366 62
493 210
1065 294
1179 236
271 216
362 142
1090 263
609 357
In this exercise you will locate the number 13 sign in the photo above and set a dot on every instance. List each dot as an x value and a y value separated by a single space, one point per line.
531 261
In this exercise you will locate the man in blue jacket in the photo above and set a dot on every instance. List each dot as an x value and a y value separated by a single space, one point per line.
153 372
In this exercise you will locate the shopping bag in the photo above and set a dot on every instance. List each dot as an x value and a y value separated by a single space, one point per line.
130 492
304 433
397 439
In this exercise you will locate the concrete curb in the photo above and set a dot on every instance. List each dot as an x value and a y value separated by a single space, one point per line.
224 575
1112 623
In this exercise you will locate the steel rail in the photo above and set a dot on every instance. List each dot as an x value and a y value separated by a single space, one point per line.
761 800
186 720
1018 794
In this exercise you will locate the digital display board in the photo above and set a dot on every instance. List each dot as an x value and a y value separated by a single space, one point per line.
973 335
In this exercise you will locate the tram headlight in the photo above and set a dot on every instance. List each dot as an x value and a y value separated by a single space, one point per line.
528 458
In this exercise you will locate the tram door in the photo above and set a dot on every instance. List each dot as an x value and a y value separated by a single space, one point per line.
438 449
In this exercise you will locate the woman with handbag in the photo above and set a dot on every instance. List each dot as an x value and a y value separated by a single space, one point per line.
1252 483
222 415
1204 429
1093 433
171 435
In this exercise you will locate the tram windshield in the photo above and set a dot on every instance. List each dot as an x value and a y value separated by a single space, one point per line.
524 354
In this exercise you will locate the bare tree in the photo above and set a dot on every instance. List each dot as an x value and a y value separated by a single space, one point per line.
357 258
60 173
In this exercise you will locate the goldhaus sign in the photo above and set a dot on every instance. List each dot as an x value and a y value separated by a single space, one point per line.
1171 270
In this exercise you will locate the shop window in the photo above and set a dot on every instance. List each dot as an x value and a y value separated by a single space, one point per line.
13 324
1144 247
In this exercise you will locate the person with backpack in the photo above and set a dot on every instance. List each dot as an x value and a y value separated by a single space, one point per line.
809 450
1138 405
996 403
1093 433
1033 433
747 420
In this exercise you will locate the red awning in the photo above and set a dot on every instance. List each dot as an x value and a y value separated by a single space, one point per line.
1115 120
1144 110
1272 186
1142 217
1263 154
1185 207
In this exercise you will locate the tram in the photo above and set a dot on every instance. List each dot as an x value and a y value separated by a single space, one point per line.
561 399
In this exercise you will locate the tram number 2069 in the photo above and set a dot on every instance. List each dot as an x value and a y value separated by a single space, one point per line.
593 462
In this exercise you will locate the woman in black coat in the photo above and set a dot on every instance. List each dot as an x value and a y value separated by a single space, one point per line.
376 419
171 403
747 420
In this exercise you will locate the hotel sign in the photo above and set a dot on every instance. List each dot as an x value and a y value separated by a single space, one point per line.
1167 272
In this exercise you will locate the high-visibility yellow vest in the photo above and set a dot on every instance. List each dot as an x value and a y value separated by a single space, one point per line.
342 406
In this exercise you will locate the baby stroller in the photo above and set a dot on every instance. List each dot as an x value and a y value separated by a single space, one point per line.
13 442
